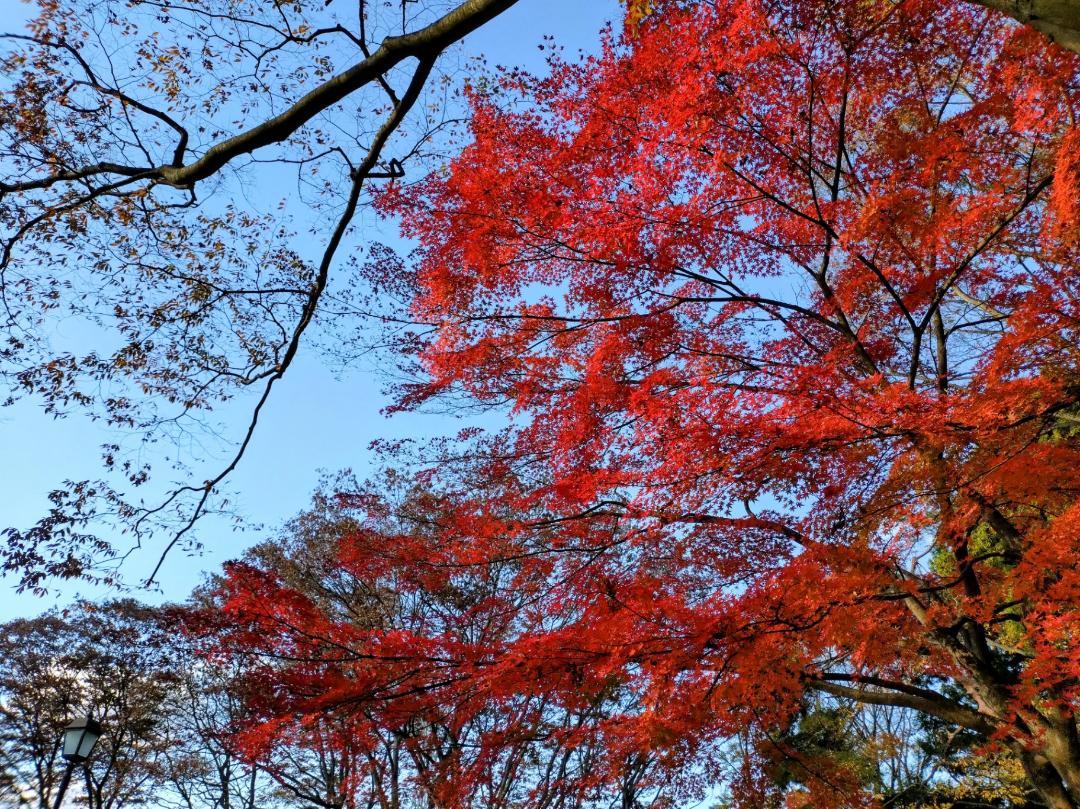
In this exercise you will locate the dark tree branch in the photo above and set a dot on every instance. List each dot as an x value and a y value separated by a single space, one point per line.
359 175
903 696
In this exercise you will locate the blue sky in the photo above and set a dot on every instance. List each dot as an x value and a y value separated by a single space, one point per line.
314 420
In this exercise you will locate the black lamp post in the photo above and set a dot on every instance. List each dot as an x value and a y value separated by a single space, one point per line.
79 740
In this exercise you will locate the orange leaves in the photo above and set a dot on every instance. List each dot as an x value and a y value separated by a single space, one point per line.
637 11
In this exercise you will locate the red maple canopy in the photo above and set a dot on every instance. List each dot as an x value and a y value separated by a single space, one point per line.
784 296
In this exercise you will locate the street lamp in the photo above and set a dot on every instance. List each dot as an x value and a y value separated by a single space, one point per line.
79 739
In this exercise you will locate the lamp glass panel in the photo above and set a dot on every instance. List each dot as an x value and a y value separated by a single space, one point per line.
86 743
74 739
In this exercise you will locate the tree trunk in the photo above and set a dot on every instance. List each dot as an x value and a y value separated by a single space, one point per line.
1062 750
1045 778
1058 19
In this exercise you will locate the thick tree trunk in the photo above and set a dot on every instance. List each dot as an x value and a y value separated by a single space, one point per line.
1045 740
1054 766
1063 752
1058 19
1045 779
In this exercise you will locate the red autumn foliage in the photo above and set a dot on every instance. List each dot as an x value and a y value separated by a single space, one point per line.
784 297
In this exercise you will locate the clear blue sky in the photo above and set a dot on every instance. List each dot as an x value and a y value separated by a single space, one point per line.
313 422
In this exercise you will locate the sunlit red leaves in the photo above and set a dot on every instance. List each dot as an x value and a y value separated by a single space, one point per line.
788 334
1063 200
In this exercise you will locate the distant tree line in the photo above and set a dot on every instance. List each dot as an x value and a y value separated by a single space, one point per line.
182 730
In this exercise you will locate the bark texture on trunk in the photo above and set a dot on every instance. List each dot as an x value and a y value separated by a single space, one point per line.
1058 19
1045 778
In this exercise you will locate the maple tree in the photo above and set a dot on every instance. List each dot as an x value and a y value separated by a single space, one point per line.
783 296
314 612
143 150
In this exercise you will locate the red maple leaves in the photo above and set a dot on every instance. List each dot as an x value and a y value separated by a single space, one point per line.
785 298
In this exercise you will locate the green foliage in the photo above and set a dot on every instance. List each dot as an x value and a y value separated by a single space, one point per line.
821 733
1066 426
